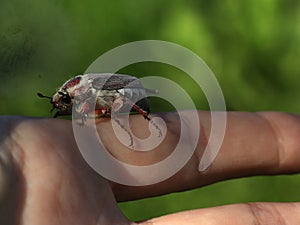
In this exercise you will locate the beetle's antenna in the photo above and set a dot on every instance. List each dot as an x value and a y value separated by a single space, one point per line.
43 96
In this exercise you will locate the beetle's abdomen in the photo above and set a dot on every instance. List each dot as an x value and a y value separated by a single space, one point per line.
133 94
137 96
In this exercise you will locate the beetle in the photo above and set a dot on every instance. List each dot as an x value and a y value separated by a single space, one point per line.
109 92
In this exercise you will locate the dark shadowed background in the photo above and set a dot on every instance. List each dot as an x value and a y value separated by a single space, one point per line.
253 47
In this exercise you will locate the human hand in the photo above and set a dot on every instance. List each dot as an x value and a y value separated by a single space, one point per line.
44 180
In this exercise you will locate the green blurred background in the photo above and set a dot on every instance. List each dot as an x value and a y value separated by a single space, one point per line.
253 47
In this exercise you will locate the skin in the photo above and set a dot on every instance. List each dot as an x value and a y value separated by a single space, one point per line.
44 180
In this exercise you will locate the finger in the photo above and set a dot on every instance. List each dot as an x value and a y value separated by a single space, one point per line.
55 184
254 144
9 193
247 214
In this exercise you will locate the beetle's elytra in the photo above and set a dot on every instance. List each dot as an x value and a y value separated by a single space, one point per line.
111 92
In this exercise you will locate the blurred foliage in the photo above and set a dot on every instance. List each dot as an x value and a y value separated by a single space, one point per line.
253 47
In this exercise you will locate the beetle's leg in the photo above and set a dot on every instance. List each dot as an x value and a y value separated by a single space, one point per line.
125 129
102 112
118 103
83 118
143 113
56 114
156 126
85 108
139 110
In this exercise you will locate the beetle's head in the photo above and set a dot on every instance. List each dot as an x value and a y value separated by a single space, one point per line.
61 101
